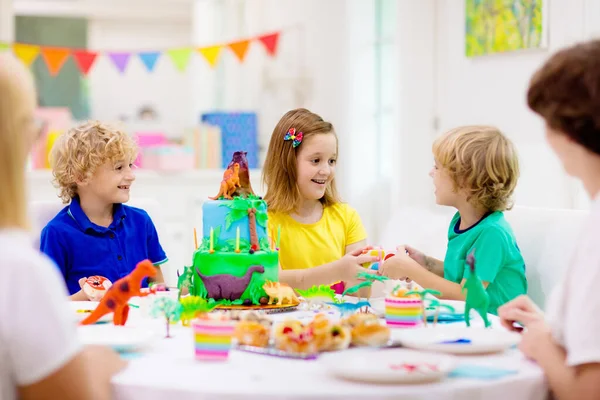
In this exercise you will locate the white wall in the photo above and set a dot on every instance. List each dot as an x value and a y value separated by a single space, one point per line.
492 90
6 21
113 94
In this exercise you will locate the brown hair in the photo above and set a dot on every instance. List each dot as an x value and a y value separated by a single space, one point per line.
78 153
279 172
565 91
481 161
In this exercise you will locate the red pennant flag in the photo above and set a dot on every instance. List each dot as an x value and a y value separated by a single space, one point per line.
84 60
270 42
55 58
240 48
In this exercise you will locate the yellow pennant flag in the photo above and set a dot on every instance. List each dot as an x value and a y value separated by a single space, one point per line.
27 53
211 54
240 48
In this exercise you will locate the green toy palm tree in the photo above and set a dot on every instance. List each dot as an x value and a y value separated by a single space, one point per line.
437 304
247 207
423 296
167 308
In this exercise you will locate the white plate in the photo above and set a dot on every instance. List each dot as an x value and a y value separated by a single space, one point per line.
481 340
119 338
80 309
388 366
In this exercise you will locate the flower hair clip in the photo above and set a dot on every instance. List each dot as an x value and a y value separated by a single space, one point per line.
296 138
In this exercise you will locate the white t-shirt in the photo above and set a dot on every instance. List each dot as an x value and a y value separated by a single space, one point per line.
573 310
37 331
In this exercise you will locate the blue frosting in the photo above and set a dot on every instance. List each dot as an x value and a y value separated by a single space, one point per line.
214 213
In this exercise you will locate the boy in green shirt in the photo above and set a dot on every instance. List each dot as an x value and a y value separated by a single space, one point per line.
476 171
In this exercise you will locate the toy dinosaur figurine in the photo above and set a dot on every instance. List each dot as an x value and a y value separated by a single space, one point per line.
230 182
318 295
228 287
282 292
185 280
245 187
477 297
116 298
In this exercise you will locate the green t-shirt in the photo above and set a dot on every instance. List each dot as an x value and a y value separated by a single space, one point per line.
498 259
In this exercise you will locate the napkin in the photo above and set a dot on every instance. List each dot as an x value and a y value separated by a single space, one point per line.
481 372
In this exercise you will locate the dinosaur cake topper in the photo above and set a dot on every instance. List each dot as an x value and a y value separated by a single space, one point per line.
236 178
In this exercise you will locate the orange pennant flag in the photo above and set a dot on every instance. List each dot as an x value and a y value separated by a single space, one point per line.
55 58
211 54
240 48
27 53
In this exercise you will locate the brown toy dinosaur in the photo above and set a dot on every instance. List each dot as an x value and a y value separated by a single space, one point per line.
116 298
245 188
230 182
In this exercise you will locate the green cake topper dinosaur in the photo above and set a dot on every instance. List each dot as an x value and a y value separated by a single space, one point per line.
477 297
318 294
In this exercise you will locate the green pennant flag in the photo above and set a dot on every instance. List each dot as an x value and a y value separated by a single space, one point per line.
4 47
180 57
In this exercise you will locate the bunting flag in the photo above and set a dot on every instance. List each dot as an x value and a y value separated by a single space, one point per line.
120 60
27 53
270 42
240 48
211 54
84 60
149 59
180 57
55 58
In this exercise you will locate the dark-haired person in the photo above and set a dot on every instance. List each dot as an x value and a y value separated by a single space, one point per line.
565 342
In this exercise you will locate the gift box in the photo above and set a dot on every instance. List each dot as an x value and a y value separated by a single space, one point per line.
169 158
238 133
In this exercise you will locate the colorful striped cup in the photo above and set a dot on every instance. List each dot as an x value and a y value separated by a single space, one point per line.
212 339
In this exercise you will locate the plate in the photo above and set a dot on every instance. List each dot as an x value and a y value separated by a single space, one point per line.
119 338
457 339
378 305
388 366
83 308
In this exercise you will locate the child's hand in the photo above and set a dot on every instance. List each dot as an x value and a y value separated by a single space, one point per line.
351 264
413 253
522 310
398 267
82 294
536 340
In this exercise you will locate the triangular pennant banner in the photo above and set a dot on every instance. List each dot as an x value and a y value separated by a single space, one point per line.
55 58
240 48
27 53
211 54
270 42
4 46
120 60
180 57
84 60
149 59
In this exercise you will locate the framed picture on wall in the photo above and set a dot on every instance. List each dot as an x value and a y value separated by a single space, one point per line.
500 26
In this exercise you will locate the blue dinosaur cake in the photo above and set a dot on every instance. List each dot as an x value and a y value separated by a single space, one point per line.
236 256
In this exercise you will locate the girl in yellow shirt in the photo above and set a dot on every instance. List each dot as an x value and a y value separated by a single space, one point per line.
321 238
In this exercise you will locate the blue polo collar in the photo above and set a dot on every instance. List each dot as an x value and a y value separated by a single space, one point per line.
76 212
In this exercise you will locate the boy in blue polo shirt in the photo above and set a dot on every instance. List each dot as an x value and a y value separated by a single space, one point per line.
96 234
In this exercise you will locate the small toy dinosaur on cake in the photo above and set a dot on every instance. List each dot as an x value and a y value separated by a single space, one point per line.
117 296
282 292
230 182
245 187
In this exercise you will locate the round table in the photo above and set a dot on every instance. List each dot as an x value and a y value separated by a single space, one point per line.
168 369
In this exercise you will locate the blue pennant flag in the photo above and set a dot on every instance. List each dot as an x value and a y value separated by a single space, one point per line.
149 59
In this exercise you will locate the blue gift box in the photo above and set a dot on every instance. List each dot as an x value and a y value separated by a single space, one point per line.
238 133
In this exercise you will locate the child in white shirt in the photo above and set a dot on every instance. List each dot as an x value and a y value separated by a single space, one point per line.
41 356
566 343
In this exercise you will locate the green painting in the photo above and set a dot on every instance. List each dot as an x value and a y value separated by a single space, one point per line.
498 26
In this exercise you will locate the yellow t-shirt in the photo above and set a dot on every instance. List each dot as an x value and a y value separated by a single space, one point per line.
310 245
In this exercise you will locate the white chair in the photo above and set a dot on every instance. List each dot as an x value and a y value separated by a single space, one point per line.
547 238
42 212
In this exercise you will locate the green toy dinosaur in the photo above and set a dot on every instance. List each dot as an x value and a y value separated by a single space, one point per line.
477 297
318 295
185 280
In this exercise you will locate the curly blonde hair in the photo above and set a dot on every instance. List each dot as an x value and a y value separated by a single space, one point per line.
481 161
78 153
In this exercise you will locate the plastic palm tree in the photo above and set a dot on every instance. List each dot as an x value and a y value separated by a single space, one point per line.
423 296
167 308
242 207
438 304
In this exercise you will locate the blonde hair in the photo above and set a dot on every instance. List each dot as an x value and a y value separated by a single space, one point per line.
77 154
17 105
481 161
279 171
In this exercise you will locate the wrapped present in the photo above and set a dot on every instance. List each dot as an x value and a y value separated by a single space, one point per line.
238 133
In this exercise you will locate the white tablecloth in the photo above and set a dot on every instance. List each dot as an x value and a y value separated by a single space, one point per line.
168 369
